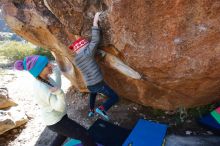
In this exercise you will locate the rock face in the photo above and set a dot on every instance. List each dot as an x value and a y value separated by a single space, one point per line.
11 116
164 54
5 101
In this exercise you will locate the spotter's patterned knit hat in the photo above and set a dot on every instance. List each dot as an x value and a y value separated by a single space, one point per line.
33 64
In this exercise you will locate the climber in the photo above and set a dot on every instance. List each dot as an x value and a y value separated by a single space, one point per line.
84 52
50 97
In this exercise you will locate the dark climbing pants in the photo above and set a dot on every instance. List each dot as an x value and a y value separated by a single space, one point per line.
103 88
69 128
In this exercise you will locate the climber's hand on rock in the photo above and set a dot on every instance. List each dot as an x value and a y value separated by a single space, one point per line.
96 18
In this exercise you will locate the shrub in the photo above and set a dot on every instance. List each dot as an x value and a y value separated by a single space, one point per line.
18 50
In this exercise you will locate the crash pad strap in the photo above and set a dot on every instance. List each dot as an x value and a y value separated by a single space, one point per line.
216 116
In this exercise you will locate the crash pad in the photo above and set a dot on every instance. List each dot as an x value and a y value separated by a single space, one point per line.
108 134
146 133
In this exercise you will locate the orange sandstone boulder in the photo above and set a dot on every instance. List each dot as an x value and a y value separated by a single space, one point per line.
164 54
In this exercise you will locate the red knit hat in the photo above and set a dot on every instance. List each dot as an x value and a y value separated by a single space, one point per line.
78 44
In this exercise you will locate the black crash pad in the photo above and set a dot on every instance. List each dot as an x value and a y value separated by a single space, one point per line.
108 134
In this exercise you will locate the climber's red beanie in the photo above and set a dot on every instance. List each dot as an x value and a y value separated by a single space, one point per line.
79 43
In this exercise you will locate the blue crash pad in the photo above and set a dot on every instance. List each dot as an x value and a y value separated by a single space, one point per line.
146 133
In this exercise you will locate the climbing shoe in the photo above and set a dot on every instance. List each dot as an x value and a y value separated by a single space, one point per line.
102 113
91 113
